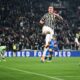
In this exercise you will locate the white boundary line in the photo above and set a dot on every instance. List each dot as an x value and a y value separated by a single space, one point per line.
34 73
68 76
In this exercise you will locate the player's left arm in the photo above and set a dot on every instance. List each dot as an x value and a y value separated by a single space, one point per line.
57 16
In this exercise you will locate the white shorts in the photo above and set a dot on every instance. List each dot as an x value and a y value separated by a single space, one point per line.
47 29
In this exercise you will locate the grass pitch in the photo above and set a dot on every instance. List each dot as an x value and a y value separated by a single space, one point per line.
30 68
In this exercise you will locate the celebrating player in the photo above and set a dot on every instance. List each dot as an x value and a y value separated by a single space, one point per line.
48 20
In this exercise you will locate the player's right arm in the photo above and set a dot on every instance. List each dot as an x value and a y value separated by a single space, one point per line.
42 21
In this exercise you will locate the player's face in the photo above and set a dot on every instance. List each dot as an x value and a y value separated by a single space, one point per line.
50 9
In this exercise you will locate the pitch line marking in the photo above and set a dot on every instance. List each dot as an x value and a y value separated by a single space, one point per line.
34 73
68 76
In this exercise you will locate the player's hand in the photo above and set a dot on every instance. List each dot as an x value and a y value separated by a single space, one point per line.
41 22
58 16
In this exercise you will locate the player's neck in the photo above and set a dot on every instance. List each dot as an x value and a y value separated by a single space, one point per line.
50 13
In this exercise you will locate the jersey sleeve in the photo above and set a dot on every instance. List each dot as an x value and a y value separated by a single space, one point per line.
43 18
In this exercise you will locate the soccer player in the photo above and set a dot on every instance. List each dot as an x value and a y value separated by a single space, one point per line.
53 46
48 20
2 50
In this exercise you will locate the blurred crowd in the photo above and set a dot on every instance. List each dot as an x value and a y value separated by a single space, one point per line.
20 28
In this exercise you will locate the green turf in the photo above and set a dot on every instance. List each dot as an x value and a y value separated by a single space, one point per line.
30 68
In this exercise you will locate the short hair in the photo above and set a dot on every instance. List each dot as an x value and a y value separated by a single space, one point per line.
51 5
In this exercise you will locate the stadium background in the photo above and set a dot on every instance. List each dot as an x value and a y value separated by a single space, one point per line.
19 23
20 30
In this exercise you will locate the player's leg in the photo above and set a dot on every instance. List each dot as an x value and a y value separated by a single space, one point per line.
43 58
49 33
50 55
46 29
47 40
2 54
